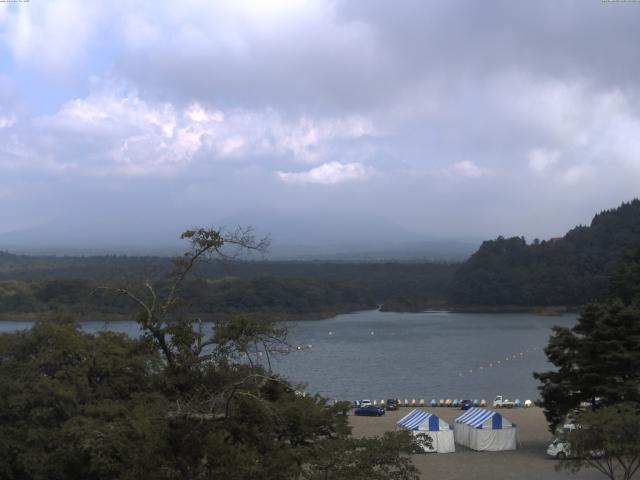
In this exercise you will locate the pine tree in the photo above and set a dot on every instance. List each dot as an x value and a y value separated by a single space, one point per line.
599 358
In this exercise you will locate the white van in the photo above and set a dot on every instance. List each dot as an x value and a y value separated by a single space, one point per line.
561 449
558 449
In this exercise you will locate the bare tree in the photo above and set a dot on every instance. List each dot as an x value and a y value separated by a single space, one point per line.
175 336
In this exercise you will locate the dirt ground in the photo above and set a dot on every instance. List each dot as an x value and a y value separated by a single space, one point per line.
527 463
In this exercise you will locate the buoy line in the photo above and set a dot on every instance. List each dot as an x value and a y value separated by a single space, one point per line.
499 363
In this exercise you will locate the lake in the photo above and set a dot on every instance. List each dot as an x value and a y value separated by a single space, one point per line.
379 355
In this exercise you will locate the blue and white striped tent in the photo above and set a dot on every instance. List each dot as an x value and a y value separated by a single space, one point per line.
441 433
482 429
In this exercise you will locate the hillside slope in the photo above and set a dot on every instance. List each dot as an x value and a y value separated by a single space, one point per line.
572 270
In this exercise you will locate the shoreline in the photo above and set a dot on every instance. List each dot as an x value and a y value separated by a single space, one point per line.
205 317
292 316
549 310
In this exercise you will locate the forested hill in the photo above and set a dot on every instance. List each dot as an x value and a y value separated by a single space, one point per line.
33 286
570 271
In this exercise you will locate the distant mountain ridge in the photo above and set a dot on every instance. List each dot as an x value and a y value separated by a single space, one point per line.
572 270
297 237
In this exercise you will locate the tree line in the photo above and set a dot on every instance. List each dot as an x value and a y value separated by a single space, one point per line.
571 271
274 289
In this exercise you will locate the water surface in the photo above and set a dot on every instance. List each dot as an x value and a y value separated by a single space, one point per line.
378 355
442 355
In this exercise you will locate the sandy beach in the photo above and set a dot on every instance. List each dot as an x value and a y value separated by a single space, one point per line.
527 463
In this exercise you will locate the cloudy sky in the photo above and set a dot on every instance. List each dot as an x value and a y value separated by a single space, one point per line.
319 121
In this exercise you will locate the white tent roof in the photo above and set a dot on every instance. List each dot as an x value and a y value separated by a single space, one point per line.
423 421
483 418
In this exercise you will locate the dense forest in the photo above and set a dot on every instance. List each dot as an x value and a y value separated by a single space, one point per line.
34 285
568 271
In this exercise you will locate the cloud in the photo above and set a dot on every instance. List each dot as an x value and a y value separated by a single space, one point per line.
470 169
55 36
328 174
541 159
116 131
497 106
577 174
7 121
283 56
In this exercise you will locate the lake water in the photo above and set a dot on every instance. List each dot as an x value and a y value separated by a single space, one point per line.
427 355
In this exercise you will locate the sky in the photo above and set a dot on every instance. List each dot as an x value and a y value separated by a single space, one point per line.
319 122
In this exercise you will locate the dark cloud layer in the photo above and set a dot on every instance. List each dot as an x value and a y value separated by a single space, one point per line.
435 119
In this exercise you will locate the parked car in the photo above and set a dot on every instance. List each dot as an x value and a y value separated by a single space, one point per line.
558 449
365 402
597 401
369 411
465 404
500 402
561 449
392 404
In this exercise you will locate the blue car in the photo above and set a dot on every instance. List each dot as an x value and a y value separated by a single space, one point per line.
465 404
369 411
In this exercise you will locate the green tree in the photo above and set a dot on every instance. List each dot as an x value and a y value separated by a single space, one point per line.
380 458
74 405
598 358
607 440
